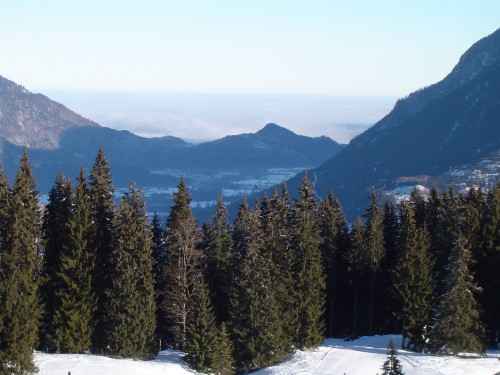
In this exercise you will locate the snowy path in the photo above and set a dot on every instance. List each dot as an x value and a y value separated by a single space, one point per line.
364 356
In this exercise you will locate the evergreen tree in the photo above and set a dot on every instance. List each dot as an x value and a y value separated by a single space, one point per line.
308 269
375 251
488 264
356 266
457 325
333 248
182 274
274 228
201 333
102 206
131 309
19 272
55 235
392 366
74 300
223 363
255 324
218 244
387 292
159 259
413 279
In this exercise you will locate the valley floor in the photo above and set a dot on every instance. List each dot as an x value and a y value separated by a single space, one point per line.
363 356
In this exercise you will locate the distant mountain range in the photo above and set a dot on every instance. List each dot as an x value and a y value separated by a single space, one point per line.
447 133
61 140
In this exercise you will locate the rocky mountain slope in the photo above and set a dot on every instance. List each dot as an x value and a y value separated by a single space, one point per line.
451 125
33 120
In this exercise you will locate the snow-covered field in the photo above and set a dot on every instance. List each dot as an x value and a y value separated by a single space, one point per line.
363 356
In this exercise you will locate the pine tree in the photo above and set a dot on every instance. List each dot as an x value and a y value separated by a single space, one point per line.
183 270
131 309
55 235
201 333
308 269
274 228
255 323
218 244
356 268
392 366
19 274
102 206
74 300
413 279
387 292
223 363
375 251
333 248
159 259
488 264
457 325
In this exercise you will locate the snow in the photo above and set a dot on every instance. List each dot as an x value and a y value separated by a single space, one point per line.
365 355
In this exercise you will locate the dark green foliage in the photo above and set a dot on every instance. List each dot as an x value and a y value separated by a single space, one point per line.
182 274
457 325
102 206
19 271
308 269
74 300
223 362
55 235
217 246
131 309
375 251
159 258
201 333
488 265
255 325
275 231
333 248
413 281
392 366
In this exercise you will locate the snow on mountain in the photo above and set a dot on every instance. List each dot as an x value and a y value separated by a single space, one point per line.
363 356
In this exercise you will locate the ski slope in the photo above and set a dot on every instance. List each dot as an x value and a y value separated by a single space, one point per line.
363 356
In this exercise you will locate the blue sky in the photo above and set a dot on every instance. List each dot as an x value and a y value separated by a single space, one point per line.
334 47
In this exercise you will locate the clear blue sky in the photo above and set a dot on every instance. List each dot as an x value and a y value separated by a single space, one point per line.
339 47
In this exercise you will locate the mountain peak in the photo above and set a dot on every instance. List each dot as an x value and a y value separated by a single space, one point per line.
272 129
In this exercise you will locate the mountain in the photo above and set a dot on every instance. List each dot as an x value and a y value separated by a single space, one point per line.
452 125
33 120
59 140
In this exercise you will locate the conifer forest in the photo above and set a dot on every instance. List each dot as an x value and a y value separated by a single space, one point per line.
83 274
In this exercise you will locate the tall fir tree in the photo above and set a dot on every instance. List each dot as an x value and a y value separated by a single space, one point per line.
201 333
74 299
488 264
102 206
356 269
255 324
308 269
183 271
131 307
333 248
392 366
413 280
457 324
19 274
159 259
55 235
218 245
375 251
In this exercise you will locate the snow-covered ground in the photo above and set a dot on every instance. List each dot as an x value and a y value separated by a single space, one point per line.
363 356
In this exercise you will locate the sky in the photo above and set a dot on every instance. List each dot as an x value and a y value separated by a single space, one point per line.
385 48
